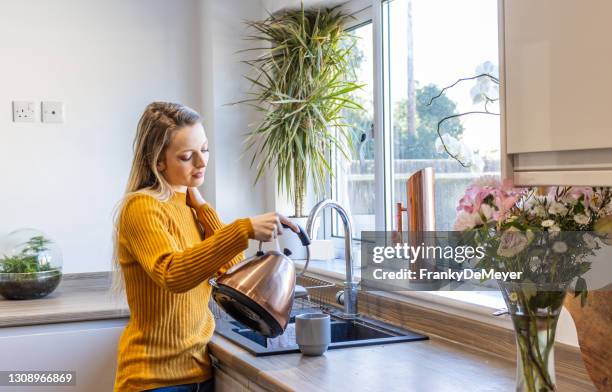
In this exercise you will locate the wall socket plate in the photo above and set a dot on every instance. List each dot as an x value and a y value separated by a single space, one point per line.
23 111
52 112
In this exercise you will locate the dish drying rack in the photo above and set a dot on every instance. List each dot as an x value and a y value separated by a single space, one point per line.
320 294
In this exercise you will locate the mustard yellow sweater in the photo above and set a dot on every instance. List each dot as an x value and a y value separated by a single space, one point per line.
166 266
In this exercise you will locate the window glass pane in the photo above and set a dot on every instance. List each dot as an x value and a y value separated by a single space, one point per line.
354 185
430 44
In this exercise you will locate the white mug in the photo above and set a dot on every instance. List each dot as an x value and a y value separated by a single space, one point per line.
313 333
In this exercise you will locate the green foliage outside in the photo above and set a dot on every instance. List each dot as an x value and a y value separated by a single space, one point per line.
418 145
406 145
421 144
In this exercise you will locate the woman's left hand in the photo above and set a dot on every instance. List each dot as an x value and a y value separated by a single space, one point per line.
194 198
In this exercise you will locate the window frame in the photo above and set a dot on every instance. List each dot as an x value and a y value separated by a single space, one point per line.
364 14
371 11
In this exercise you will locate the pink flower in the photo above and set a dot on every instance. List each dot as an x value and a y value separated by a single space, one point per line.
574 192
466 221
502 198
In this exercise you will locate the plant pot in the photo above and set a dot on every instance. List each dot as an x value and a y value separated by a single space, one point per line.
29 285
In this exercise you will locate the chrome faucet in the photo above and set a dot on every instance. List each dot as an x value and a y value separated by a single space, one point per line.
350 287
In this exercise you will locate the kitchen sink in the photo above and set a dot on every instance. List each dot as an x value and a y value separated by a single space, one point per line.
344 333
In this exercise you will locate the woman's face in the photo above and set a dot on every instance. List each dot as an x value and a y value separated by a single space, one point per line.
184 162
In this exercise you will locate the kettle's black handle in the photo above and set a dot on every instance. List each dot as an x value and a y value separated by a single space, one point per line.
302 234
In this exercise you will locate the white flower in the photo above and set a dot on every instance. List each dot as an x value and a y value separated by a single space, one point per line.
554 231
557 209
582 219
529 203
559 247
539 211
589 241
596 202
487 210
512 242
466 221
548 223
569 199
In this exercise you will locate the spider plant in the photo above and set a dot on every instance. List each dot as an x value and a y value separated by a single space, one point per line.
301 86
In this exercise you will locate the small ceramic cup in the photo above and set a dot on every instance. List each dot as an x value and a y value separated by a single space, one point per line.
313 333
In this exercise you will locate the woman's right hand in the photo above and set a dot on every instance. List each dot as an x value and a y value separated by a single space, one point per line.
266 225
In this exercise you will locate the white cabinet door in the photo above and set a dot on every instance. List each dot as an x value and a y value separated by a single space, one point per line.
88 348
556 58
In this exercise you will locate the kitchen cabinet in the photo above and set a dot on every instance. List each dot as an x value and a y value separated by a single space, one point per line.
88 348
555 70
229 380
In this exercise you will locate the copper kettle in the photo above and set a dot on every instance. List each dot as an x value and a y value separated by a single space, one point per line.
259 291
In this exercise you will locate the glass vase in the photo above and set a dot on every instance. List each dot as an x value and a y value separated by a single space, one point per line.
535 312
30 265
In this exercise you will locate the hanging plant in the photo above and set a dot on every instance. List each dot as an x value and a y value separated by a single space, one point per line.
301 88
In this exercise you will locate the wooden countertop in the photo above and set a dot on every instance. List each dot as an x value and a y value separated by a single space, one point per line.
432 365
79 297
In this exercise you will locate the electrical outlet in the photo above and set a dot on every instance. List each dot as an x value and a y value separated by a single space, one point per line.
23 111
52 112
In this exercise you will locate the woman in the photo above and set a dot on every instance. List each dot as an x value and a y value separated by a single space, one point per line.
168 243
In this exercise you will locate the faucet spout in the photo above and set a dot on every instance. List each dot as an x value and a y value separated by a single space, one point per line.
350 287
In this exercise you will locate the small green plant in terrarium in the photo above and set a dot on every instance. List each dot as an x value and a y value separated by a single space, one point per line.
28 259
30 265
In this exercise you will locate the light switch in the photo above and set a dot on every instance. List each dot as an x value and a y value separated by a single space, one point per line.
52 112
23 111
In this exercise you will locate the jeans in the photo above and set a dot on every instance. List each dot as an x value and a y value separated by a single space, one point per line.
205 386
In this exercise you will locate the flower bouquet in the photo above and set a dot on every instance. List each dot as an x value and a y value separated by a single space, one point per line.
549 236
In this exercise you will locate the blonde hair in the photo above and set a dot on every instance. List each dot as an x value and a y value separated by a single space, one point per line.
153 135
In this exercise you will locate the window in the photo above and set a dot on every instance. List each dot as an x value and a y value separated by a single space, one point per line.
429 45
425 46
354 185
408 53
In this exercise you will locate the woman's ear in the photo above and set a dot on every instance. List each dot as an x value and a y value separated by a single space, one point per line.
161 166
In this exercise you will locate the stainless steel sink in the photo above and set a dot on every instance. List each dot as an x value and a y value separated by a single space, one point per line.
344 333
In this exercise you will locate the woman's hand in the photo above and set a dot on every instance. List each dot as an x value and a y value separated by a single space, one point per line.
266 225
194 198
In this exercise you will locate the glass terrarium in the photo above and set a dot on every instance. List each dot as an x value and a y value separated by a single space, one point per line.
30 264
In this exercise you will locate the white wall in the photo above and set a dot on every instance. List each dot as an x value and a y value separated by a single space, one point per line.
106 60
229 184
275 5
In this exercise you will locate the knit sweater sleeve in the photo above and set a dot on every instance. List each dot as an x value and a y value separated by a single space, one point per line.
209 218
144 224
212 223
